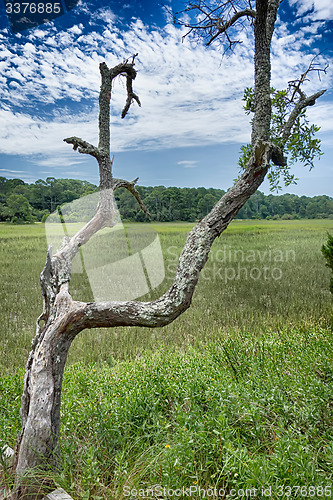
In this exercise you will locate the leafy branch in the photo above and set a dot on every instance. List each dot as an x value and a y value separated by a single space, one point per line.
290 131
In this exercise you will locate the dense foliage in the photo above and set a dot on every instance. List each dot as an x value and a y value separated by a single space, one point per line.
31 202
238 414
28 202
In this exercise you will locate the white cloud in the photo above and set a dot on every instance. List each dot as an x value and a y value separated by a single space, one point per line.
322 114
76 29
320 9
188 163
12 171
104 14
189 95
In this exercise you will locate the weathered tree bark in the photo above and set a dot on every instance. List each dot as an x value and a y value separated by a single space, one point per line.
37 446
63 318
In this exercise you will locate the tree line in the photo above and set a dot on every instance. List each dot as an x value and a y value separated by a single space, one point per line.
22 202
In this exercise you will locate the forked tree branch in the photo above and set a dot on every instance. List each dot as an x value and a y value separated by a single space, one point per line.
303 103
214 21
296 84
102 151
303 100
223 26
299 98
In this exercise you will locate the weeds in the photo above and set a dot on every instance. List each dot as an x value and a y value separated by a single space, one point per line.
179 418
237 393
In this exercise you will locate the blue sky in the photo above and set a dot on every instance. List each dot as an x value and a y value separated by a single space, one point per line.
191 124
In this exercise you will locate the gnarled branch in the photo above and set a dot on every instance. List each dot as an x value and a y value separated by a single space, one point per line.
131 96
214 21
82 146
223 26
130 186
102 152
193 258
296 84
303 100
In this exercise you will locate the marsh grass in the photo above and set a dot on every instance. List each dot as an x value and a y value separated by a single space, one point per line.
236 393
22 253
299 297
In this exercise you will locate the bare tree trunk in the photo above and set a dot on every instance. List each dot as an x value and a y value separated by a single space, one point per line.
37 446
63 318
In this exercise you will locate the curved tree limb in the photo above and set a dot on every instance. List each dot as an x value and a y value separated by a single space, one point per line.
223 26
303 103
131 96
130 186
303 100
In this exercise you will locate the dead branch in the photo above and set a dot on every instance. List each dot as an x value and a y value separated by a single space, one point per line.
222 26
303 103
102 152
130 186
82 146
214 21
296 84
131 96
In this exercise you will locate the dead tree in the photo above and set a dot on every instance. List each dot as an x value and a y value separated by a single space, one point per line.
63 318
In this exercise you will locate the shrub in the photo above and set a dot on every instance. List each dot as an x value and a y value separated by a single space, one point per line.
327 251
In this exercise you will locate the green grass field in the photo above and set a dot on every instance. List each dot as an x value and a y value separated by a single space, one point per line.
236 394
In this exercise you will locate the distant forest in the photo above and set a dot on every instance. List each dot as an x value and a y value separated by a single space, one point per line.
21 202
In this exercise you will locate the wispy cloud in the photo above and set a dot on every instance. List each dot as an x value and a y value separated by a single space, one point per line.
188 163
18 174
189 95
12 171
319 9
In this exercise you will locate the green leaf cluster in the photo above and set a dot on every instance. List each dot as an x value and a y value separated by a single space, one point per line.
301 145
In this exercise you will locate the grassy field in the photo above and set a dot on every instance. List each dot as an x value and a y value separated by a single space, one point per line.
234 294
236 394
